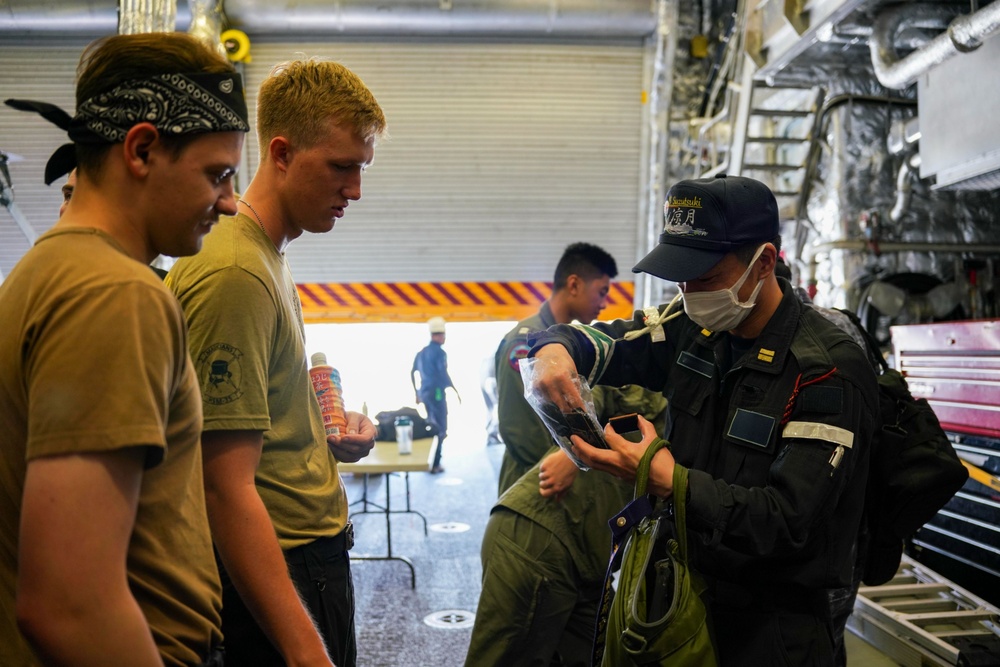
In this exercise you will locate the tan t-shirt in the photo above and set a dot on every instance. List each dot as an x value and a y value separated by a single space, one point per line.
248 347
95 359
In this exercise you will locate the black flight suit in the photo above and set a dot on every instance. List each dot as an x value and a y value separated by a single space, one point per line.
776 434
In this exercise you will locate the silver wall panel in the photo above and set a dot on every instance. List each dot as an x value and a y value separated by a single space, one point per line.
500 154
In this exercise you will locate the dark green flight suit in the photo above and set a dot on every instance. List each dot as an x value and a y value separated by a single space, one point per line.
524 435
544 560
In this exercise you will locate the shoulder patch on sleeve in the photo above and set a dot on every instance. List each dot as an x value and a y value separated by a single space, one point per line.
825 400
518 352
220 374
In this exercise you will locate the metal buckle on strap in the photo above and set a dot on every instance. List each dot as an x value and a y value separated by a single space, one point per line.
633 642
349 535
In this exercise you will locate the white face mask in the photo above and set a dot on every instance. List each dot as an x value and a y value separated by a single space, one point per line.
722 310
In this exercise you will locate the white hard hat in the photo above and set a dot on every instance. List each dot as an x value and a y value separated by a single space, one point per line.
436 325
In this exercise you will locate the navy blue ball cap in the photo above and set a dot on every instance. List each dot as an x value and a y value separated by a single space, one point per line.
706 218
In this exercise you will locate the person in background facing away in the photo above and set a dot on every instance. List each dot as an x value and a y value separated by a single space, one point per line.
105 551
772 410
431 363
275 500
579 292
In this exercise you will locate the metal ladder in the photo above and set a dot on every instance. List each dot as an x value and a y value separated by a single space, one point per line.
920 618
780 132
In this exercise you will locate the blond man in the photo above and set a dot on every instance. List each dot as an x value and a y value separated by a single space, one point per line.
275 501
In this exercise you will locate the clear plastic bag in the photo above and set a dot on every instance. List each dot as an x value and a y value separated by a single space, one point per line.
580 421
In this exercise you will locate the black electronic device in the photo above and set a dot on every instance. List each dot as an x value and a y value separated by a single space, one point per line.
623 424
580 423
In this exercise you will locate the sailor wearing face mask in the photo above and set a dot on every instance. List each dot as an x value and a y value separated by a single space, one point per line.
771 409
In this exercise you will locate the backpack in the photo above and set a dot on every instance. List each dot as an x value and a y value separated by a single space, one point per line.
914 470
385 424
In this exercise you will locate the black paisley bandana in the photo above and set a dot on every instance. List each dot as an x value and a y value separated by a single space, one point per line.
175 104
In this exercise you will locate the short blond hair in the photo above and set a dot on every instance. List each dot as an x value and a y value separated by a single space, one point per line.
300 97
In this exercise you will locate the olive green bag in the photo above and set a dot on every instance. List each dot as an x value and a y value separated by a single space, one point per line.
657 616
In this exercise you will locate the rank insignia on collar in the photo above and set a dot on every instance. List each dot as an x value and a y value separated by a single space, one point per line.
765 355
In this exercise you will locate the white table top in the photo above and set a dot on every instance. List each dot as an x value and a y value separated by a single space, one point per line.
385 457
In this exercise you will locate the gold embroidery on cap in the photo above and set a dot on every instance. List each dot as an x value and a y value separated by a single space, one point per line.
693 202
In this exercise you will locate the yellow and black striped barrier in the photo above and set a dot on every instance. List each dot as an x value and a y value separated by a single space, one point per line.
485 301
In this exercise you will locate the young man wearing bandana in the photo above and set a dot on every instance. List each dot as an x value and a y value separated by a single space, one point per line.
275 500
105 551
771 409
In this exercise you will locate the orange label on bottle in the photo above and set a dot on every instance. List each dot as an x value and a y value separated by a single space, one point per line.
328 394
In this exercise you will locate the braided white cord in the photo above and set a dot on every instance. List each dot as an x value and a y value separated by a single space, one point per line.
656 320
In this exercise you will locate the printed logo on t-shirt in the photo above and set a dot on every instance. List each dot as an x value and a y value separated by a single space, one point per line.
220 373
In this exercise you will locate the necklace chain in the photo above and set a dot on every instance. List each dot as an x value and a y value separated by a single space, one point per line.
254 211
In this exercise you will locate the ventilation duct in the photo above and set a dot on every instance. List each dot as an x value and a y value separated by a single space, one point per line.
957 102
593 19
142 16
963 35
78 17
206 23
520 18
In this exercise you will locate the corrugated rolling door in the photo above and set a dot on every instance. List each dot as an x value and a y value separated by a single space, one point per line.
35 69
500 155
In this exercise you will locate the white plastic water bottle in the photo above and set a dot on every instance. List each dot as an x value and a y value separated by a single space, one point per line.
404 434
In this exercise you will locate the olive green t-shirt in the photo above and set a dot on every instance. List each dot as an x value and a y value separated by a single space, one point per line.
248 347
95 359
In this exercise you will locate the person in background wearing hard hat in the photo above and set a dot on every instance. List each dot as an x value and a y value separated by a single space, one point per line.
431 363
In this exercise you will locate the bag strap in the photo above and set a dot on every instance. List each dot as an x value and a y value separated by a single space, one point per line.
679 496
642 470
621 527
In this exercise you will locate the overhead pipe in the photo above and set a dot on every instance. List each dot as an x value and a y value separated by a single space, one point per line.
83 17
902 141
622 19
206 23
437 18
904 187
963 34
142 16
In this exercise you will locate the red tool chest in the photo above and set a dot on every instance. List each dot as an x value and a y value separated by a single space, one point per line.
956 367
